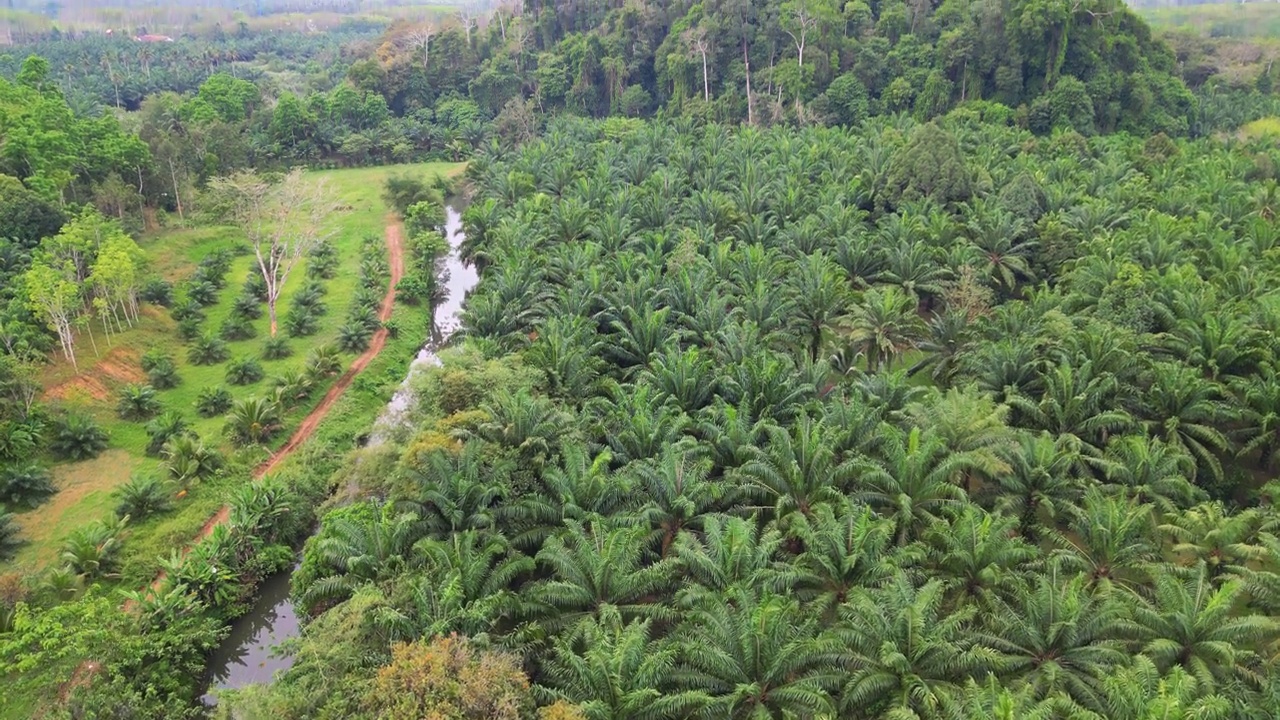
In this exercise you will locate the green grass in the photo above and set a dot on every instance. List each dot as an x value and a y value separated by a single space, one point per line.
86 487
1222 20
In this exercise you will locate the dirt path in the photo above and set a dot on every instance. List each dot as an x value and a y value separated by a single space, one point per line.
395 251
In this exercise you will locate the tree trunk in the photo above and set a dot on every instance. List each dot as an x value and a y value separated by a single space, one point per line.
746 63
176 196
706 84
271 313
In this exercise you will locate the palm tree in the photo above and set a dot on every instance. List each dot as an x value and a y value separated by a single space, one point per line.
885 325
914 482
1057 637
466 588
977 554
1192 624
615 671
1148 470
910 656
366 543
190 460
1109 541
1076 404
796 471
1185 410
1220 345
530 425
10 541
137 402
253 420
996 236
142 496
845 548
819 297
1225 543
1259 431
92 551
971 422
266 510
1043 482
1142 692
943 340
453 493
679 496
757 656
731 552
590 567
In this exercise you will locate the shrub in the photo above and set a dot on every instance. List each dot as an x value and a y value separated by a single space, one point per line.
300 322
213 401
156 291
190 328
202 292
9 540
449 672
208 350
244 371
236 328
353 337
142 496
324 361
167 426
253 420
77 437
137 402
276 348
25 485
247 307
189 460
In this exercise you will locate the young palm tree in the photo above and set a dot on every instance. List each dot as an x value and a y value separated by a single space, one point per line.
756 655
1142 692
819 298
25 485
1077 404
971 422
142 496
1185 410
455 493
590 567
92 552
137 402
530 425
1109 540
366 544
612 671
910 656
190 460
253 420
1148 470
9 538
77 437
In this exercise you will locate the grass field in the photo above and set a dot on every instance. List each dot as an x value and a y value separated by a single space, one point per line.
1218 20
85 488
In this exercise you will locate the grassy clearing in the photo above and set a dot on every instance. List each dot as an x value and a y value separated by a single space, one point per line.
1218 20
85 488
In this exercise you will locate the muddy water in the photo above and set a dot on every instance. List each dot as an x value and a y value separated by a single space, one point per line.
246 656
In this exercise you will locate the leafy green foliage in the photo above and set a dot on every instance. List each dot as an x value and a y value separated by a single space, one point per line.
76 437
244 371
208 349
137 402
25 485
142 496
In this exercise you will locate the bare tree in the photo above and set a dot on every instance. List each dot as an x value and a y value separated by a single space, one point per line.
468 19
696 38
283 222
421 37
800 23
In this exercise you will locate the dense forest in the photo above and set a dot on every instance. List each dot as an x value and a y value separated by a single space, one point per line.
889 360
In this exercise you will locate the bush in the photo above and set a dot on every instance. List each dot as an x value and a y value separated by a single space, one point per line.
212 401
208 350
161 430
276 348
300 322
25 485
137 402
236 328
77 437
190 460
247 307
190 328
142 496
354 338
9 540
156 291
244 371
